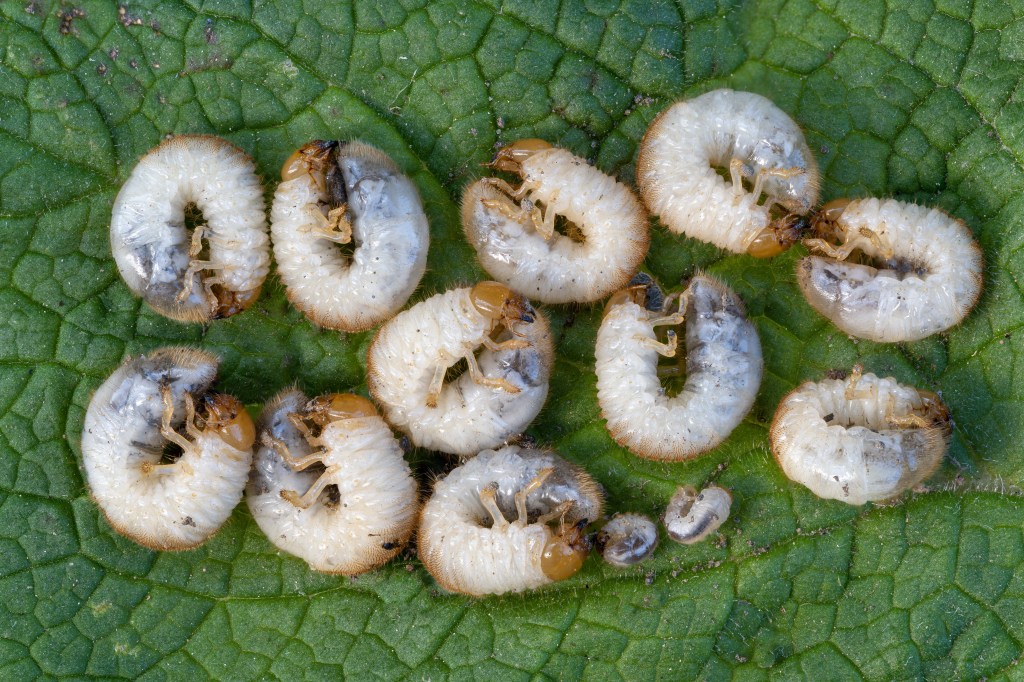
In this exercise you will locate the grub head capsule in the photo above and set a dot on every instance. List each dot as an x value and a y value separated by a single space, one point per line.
510 157
565 552
227 415
325 409
496 301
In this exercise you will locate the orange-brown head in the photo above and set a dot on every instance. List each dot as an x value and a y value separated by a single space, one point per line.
935 411
565 553
233 302
497 302
510 157
309 159
642 290
635 294
780 234
334 407
226 415
825 222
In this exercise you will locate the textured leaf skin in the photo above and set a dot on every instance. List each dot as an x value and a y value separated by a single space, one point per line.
905 99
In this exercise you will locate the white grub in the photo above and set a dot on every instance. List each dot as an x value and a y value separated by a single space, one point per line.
861 440
330 484
723 369
133 417
486 528
923 274
513 230
686 145
627 539
158 258
691 516
333 194
500 392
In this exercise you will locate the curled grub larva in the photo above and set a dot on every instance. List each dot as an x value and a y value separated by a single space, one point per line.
158 258
330 484
485 529
627 540
133 419
513 230
677 172
691 516
900 272
502 389
723 369
859 440
332 194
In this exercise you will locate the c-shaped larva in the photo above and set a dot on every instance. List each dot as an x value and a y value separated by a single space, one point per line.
498 395
691 516
485 529
924 274
513 230
133 418
332 194
157 257
723 369
627 539
330 484
677 172
859 440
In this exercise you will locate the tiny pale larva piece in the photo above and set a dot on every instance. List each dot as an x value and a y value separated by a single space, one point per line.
691 516
859 440
517 242
924 275
497 396
158 258
330 484
723 369
627 539
333 194
133 416
746 133
467 542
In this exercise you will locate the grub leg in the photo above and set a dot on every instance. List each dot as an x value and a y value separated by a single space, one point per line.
556 513
667 349
436 383
766 173
487 499
310 496
165 423
535 482
480 378
510 344
293 462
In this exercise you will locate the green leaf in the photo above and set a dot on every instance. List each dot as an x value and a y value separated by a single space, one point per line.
900 99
